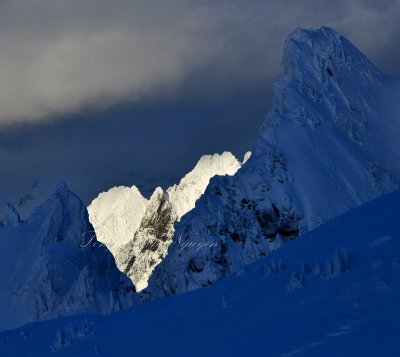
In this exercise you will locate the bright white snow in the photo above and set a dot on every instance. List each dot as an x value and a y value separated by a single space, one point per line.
129 225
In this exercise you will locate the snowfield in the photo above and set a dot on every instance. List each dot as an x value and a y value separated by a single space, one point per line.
331 292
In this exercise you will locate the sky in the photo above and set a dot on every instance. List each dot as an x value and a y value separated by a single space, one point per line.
102 93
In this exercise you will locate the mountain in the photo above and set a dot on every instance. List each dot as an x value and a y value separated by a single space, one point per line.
51 265
139 231
331 292
330 143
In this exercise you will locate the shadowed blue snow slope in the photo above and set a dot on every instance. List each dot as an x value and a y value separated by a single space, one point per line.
51 266
332 292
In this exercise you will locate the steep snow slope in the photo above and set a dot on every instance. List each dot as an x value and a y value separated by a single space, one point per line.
138 231
51 265
329 144
332 292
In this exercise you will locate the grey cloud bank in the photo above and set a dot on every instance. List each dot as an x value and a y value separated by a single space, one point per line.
60 56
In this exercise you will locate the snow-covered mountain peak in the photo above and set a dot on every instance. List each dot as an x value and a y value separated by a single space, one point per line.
138 231
184 195
61 269
329 143
63 214
321 53
325 69
116 215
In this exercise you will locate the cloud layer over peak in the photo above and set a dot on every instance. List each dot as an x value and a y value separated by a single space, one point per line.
59 56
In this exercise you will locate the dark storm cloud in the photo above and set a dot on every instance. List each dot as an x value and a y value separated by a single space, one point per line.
58 56
148 144
102 93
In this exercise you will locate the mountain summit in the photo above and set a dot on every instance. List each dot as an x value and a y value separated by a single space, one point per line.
329 144
139 231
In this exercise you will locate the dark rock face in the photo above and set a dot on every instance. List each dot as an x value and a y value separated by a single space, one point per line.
140 256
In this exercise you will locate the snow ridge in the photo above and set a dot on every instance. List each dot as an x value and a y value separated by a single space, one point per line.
51 265
328 144
139 231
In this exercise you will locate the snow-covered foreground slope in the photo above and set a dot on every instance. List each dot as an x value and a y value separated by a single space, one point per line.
138 231
330 143
332 292
51 265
